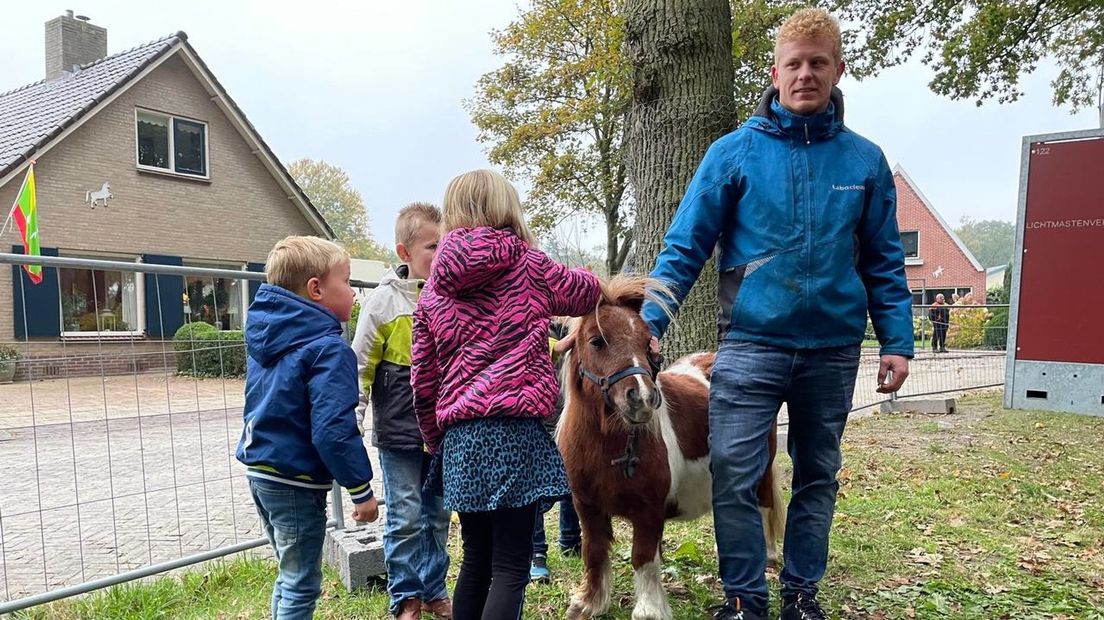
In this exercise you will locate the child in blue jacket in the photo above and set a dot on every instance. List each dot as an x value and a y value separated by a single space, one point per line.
300 429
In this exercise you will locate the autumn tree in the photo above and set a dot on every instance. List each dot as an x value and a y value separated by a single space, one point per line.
554 115
330 191
981 49
990 241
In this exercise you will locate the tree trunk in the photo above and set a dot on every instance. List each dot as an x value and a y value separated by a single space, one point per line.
681 55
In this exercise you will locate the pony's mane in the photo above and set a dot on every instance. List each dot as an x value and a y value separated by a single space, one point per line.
630 290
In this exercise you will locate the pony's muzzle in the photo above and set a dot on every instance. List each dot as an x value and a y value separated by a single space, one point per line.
638 416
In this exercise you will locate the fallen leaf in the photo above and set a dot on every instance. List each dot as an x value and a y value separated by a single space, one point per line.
920 556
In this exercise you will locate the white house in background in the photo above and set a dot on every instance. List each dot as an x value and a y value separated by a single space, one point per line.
994 277
366 270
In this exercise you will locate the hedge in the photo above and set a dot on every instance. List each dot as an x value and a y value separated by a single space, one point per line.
996 329
204 351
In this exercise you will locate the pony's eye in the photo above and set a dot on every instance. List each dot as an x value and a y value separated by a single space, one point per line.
597 342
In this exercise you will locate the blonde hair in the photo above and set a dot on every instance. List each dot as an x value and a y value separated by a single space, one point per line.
484 198
411 217
295 260
811 24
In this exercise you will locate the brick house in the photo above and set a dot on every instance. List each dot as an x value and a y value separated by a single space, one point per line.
192 184
936 260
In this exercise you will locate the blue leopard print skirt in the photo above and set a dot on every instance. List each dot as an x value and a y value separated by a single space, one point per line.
494 463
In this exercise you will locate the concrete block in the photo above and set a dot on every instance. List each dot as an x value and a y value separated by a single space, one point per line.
930 406
356 553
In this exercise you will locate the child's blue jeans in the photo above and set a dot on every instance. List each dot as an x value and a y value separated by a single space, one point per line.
415 530
570 537
294 520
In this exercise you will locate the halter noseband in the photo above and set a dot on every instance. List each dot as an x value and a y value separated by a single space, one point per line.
629 460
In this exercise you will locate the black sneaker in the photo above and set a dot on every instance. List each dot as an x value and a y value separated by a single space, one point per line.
729 612
802 607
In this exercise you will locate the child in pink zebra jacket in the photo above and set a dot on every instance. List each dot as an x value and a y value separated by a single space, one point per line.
483 382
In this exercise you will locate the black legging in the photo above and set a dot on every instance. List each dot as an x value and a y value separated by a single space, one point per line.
495 568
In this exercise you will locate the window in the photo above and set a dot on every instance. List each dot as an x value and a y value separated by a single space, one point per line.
217 301
100 302
171 144
950 295
910 239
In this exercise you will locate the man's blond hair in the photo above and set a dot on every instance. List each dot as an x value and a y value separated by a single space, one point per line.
297 259
411 217
811 25
484 198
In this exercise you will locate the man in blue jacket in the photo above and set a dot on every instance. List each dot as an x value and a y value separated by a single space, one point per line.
803 213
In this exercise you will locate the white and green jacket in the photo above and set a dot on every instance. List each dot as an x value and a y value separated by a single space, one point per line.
382 346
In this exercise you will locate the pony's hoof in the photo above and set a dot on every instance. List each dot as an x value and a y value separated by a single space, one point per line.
652 612
580 609
576 611
647 615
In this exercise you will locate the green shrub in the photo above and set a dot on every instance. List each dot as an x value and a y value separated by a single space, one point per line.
353 316
203 351
996 329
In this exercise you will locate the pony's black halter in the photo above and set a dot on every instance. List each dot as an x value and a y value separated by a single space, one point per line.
629 460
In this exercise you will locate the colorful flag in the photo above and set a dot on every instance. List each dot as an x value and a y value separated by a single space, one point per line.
25 212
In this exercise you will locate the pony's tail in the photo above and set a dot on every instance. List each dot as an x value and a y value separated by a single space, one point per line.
775 522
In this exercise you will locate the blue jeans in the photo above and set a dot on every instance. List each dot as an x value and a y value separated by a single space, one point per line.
750 382
570 535
415 530
294 520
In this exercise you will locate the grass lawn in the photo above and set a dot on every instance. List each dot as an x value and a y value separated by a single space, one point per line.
987 514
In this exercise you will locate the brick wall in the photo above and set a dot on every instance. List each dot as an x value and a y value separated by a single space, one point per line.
937 248
234 218
84 360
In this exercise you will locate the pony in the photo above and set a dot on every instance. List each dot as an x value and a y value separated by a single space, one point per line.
635 442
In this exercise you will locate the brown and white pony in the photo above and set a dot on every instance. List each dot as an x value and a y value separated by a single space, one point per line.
636 446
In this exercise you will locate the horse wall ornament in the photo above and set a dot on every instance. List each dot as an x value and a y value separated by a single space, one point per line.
99 197
635 441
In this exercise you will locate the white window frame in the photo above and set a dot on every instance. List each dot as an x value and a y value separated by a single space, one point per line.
139 292
913 260
229 265
171 170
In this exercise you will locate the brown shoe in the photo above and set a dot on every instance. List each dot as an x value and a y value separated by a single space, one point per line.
440 608
410 609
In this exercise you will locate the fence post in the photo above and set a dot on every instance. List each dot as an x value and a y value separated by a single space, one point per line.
338 508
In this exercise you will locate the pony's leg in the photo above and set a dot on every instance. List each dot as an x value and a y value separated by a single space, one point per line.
592 598
651 598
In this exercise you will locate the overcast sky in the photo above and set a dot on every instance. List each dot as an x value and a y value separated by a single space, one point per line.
376 88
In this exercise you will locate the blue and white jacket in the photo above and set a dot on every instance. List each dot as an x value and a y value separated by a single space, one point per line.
803 212
301 396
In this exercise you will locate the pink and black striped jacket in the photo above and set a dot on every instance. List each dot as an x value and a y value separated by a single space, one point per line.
480 335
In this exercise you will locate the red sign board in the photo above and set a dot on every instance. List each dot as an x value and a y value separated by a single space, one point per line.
1061 295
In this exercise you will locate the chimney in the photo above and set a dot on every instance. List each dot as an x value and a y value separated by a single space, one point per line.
72 42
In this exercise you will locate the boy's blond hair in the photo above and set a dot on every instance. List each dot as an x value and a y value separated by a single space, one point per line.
811 24
297 259
484 198
411 217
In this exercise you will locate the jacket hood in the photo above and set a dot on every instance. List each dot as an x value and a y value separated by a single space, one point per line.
469 258
771 117
399 280
280 321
